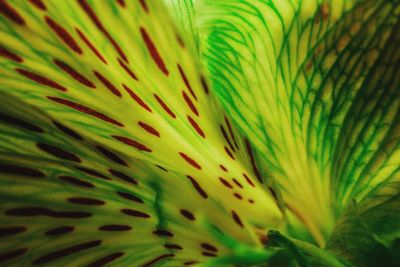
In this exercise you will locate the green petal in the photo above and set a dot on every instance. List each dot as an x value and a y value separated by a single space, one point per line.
368 232
98 93
314 86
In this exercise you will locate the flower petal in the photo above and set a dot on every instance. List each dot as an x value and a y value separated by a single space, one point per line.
313 84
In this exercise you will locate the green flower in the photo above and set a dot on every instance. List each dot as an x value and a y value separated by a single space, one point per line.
199 132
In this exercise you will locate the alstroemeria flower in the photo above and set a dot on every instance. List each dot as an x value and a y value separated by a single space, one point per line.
207 132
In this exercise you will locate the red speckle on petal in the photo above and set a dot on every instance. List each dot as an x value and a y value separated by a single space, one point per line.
107 84
190 103
84 109
190 160
128 70
186 82
237 219
131 142
149 128
90 45
196 127
63 34
197 186
225 182
10 55
153 51
39 4
248 180
229 153
41 79
164 106
11 13
74 74
137 98
144 5
92 15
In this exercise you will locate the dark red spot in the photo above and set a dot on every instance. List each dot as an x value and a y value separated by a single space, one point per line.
40 211
39 4
66 252
231 132
271 190
225 135
128 70
93 173
225 182
209 247
252 160
186 81
237 183
63 34
209 254
86 201
187 263
137 98
107 84
237 219
13 230
131 142
5 256
173 246
223 168
251 201
188 215
60 230
10 55
67 131
89 11
110 155
20 123
197 186
190 103
204 84
164 106
41 79
135 213
190 160
249 181
159 258
180 41
229 153
115 227
153 51
105 260
11 13
144 5
74 74
76 181
85 109
238 196
130 197
123 176
90 45
19 170
121 3
161 232
149 128
58 152
196 127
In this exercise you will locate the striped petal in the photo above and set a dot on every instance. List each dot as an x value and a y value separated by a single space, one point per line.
113 149
314 86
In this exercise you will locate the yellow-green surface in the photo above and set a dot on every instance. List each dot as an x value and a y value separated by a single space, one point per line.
178 132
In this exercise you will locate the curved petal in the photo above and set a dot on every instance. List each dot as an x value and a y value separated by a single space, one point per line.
97 93
314 86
